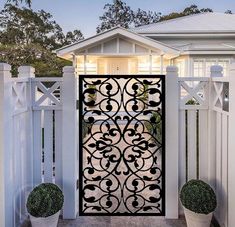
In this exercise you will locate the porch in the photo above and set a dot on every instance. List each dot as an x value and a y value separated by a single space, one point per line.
119 51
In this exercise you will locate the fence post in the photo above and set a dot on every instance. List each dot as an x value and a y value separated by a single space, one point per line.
172 144
6 152
29 72
69 143
215 71
231 148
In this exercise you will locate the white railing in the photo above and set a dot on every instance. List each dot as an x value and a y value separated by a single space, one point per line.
32 138
38 138
204 136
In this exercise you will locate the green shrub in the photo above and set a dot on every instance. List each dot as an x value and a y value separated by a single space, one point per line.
143 94
45 200
198 197
155 129
92 97
85 128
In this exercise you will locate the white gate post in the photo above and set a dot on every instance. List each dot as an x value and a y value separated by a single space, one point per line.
29 72
6 155
69 143
171 153
231 148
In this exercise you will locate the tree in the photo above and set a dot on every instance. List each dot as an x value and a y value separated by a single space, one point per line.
28 2
28 37
116 14
142 17
120 14
193 9
228 12
73 37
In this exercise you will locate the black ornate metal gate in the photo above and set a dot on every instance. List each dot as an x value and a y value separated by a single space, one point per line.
122 150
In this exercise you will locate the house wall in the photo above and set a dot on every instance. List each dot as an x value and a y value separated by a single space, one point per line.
142 64
185 62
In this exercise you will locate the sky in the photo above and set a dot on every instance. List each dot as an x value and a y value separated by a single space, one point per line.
84 14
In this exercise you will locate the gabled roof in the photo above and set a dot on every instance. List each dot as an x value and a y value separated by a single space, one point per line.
197 23
110 34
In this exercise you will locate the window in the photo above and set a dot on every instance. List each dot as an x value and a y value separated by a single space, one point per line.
181 67
198 67
201 67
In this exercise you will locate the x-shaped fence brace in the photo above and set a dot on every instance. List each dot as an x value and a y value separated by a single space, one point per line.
193 93
19 97
47 97
218 99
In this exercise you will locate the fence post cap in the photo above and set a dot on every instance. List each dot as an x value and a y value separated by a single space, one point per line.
232 66
216 68
216 71
26 71
5 67
172 68
68 69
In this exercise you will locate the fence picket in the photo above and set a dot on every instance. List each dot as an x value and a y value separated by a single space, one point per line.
224 169
48 146
58 148
218 162
192 153
182 150
203 140
37 148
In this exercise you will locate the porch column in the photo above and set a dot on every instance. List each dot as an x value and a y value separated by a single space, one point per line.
85 64
150 64
161 63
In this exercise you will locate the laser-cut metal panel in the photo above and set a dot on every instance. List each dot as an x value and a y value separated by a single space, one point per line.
122 166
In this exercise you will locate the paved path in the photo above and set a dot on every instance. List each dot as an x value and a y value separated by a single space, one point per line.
122 222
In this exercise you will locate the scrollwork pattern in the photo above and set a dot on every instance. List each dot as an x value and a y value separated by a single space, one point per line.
122 168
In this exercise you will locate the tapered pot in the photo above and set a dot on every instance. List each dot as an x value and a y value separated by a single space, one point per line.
197 220
50 221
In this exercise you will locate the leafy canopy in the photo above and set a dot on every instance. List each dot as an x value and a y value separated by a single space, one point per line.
27 2
120 14
28 37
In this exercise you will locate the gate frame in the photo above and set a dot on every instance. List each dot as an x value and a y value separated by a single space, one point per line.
170 158
70 142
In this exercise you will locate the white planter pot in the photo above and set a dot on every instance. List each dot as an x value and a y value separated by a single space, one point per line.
50 221
197 220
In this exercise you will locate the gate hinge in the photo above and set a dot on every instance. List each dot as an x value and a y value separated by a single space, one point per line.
77 183
77 104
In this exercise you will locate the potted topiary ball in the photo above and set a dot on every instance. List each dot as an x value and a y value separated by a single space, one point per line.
44 205
199 202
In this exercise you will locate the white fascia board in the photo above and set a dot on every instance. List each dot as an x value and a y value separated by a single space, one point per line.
207 52
221 35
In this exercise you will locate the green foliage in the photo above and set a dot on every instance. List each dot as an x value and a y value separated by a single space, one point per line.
192 102
28 37
155 127
27 2
85 128
143 94
93 96
120 14
45 200
116 14
193 9
198 197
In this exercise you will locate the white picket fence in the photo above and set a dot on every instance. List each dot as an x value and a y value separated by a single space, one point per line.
38 137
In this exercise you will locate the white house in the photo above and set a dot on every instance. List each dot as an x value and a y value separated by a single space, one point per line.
193 43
